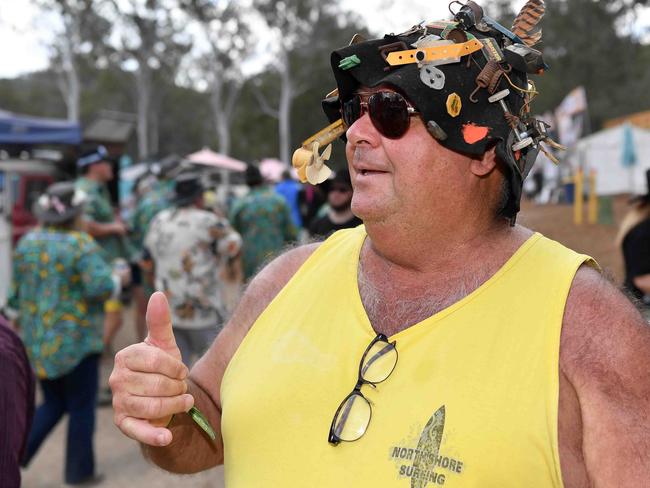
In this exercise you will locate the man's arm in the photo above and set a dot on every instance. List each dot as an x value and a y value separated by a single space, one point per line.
604 356
141 392
97 229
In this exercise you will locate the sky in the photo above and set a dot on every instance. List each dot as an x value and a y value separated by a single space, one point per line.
24 33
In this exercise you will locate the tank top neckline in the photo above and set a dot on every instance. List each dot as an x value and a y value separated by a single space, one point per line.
353 282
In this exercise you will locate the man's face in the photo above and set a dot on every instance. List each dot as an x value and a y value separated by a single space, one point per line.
401 177
104 170
339 196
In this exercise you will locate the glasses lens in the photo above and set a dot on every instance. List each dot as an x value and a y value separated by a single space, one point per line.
379 362
351 110
353 418
389 114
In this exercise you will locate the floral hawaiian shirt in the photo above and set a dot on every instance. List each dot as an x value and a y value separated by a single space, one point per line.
189 246
98 208
60 281
264 221
157 199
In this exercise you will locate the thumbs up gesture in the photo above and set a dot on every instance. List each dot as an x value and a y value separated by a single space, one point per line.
148 380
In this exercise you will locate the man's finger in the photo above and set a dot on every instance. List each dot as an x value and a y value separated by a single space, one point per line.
154 385
153 407
142 431
156 361
159 324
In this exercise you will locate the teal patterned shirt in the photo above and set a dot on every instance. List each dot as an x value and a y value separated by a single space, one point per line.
155 200
60 282
98 209
264 221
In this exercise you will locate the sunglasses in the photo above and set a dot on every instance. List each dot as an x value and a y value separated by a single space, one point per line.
352 418
389 112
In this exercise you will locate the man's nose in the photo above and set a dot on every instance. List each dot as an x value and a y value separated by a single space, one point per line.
362 131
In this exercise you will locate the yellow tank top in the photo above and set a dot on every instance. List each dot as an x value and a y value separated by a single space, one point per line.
472 402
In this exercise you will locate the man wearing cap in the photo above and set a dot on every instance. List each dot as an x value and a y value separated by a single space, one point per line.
438 344
188 246
339 214
60 282
100 222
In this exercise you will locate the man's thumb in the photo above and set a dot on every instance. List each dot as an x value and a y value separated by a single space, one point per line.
159 323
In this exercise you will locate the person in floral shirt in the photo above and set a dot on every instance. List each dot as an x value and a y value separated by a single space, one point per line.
263 219
60 282
189 246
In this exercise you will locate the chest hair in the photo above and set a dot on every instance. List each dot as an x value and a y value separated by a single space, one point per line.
392 306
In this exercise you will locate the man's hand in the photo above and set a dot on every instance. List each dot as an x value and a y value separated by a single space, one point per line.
148 380
119 228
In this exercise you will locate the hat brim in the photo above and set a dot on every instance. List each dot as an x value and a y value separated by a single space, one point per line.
52 217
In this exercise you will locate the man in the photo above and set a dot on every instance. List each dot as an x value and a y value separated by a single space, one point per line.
16 403
290 191
506 359
60 283
264 221
189 245
100 222
339 214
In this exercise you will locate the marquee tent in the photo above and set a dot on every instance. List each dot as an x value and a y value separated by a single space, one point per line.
619 155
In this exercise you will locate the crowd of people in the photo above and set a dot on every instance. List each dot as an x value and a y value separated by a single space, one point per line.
70 274
438 343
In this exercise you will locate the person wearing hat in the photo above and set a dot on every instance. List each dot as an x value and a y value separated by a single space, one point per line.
263 218
634 241
339 214
437 344
60 282
101 223
188 246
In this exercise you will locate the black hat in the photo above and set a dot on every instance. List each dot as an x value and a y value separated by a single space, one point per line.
187 187
60 203
253 176
95 155
457 96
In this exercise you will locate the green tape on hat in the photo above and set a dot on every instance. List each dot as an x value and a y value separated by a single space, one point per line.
349 62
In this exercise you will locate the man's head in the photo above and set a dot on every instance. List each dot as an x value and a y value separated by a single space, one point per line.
188 189
253 176
95 164
454 80
339 192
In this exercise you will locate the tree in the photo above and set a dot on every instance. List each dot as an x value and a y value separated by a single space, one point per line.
226 31
155 44
82 39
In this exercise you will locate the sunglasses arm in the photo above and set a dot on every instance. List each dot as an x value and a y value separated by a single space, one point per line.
307 154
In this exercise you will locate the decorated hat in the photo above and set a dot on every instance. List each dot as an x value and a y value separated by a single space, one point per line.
467 77
60 203
92 156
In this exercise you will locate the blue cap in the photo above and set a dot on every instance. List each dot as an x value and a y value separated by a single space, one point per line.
96 155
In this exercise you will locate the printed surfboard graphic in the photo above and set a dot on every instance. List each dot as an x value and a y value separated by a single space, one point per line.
428 448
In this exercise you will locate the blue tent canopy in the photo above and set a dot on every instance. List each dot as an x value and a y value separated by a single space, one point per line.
23 129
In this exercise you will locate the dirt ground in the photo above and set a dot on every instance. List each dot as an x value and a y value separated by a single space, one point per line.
119 459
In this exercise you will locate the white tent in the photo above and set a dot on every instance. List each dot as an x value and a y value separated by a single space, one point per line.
604 151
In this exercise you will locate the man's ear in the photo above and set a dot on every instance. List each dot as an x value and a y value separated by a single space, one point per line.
483 166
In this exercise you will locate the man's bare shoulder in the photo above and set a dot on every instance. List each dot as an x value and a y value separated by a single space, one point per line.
604 355
260 292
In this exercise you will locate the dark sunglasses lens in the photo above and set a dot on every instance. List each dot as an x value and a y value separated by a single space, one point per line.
351 110
389 114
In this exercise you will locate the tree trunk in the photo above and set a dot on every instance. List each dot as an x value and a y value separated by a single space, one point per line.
143 90
284 119
70 85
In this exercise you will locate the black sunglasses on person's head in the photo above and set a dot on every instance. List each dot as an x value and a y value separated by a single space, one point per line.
389 112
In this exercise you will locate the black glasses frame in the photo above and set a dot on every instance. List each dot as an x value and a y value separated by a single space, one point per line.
333 438
363 102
